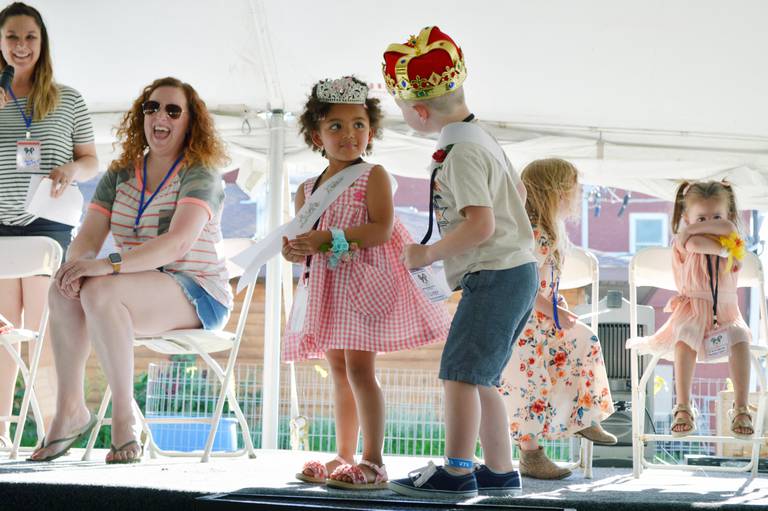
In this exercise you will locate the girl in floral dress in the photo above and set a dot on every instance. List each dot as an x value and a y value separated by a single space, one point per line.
555 383
361 300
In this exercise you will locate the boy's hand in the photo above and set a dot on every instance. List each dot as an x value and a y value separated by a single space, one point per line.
416 256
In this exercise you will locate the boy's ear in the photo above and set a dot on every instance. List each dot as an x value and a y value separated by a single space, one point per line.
316 139
422 111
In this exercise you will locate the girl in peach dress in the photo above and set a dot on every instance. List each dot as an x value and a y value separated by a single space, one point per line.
705 321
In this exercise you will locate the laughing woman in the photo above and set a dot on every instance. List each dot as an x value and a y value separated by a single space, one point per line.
37 111
162 200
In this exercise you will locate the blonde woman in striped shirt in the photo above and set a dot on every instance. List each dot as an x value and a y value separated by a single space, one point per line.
162 201
35 109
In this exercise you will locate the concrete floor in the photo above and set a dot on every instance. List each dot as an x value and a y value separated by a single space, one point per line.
274 471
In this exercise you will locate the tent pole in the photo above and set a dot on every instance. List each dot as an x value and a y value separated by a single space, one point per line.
272 315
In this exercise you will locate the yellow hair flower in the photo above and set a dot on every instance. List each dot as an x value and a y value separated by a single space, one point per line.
735 248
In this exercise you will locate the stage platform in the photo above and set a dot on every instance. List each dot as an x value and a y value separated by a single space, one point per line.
267 482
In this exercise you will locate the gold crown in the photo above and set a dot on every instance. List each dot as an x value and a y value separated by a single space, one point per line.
438 78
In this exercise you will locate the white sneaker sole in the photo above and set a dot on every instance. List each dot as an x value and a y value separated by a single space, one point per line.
410 491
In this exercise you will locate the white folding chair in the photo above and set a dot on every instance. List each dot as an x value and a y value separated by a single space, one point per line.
202 343
652 267
20 257
582 269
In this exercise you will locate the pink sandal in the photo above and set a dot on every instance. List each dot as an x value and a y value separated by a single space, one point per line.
319 471
359 480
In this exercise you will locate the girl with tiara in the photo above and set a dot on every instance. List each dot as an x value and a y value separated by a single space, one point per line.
355 297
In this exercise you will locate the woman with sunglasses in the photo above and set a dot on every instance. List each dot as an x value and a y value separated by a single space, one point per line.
50 122
162 201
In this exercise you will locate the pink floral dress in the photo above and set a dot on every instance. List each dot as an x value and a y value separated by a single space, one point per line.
691 309
369 303
555 383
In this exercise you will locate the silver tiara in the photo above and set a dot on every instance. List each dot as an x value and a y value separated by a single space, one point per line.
342 90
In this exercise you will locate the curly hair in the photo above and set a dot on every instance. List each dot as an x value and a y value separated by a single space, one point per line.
202 145
44 97
316 110
546 181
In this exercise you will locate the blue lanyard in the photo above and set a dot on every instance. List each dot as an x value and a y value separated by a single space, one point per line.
555 290
27 120
143 206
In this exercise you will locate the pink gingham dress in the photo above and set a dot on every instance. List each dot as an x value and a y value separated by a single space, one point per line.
369 303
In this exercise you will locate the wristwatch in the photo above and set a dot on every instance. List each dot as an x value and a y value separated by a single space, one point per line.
116 259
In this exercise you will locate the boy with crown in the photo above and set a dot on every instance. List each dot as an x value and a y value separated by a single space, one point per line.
487 247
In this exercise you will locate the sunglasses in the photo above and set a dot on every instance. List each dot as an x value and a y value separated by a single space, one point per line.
152 107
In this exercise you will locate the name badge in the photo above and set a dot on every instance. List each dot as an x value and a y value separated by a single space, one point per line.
716 343
299 308
28 155
432 286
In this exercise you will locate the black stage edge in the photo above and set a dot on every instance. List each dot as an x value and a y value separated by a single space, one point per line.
247 500
269 499
68 497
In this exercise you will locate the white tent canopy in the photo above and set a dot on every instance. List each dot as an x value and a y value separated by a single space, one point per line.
675 90
638 94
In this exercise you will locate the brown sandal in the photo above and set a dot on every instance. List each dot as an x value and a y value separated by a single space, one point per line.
741 418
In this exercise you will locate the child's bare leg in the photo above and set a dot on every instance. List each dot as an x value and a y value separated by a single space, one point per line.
462 422
739 362
494 430
685 365
369 398
344 409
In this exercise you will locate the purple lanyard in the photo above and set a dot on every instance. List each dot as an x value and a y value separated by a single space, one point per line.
555 290
143 206
27 120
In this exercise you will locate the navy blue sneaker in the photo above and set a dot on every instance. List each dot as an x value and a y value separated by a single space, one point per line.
435 482
493 483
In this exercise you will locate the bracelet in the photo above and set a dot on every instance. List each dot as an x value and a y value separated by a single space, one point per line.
339 247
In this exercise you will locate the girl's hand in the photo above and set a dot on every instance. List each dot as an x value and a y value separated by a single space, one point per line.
62 177
416 256
736 266
309 243
566 318
289 254
69 275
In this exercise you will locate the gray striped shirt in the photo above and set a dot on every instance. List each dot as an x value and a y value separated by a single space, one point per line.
63 128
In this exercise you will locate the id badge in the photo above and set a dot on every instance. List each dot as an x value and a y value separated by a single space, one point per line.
28 155
299 309
716 343
432 286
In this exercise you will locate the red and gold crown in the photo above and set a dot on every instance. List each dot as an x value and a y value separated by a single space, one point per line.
427 66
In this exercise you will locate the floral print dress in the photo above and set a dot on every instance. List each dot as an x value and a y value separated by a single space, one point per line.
555 383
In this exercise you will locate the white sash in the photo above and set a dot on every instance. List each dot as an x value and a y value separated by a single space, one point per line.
470 132
254 257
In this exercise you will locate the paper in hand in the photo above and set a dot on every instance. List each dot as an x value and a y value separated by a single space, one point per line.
65 209
431 284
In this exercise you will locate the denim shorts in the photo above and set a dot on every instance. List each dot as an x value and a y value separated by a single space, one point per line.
212 313
493 310
61 233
